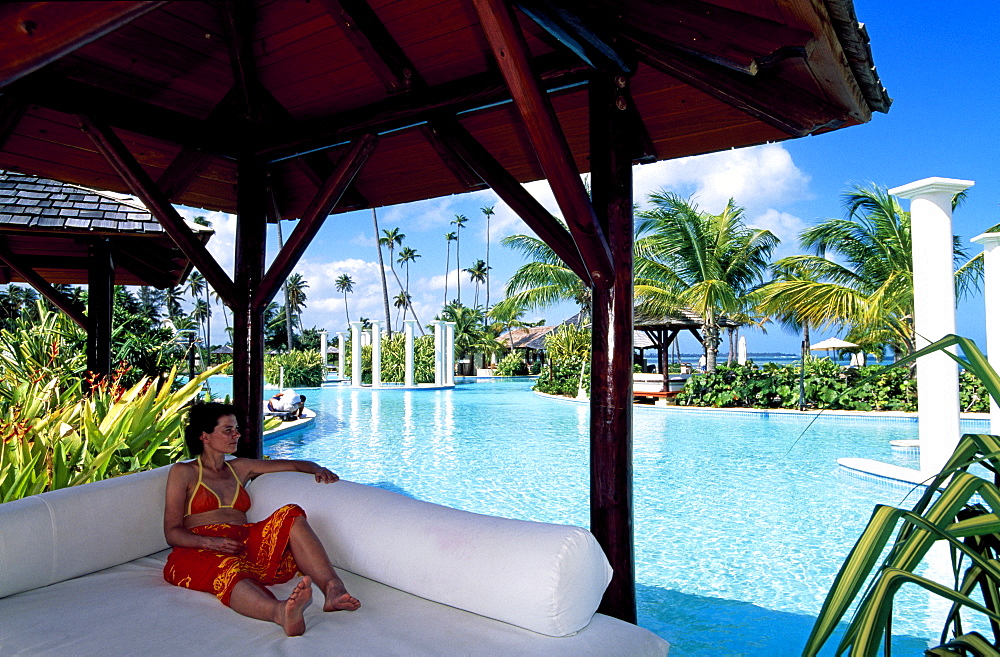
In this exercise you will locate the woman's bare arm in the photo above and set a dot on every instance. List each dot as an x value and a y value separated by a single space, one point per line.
250 468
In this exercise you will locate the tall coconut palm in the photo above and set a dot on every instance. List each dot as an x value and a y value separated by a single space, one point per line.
477 274
345 284
487 212
708 263
471 337
196 285
448 239
172 302
401 302
509 316
867 285
381 269
391 239
459 224
297 286
406 256
225 311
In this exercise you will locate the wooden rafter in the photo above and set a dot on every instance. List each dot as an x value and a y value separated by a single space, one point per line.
182 172
464 174
549 142
583 37
25 271
467 94
458 140
763 96
321 206
238 20
374 43
37 33
140 184
11 111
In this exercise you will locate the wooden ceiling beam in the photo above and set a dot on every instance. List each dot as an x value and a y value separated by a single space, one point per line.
33 278
590 40
374 43
182 172
61 94
142 186
763 96
418 106
465 148
464 174
33 34
312 219
546 136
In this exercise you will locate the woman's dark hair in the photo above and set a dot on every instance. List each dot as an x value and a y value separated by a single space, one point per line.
203 418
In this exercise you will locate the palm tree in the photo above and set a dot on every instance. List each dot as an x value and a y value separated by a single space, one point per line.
296 286
459 223
471 336
391 239
487 212
401 301
449 238
406 256
871 293
509 316
543 281
477 274
225 315
200 314
345 284
172 301
196 285
381 269
708 263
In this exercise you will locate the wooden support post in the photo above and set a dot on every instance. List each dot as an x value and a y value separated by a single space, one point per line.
248 318
611 353
100 302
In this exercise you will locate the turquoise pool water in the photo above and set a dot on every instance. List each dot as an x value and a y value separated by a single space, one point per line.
740 524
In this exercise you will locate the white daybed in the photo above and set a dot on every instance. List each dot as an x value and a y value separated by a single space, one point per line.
80 574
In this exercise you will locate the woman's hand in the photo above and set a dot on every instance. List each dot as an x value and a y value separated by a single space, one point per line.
324 476
225 545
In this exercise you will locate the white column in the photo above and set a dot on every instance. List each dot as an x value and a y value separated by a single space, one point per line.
438 354
932 245
376 355
322 349
356 354
341 355
991 291
449 353
408 325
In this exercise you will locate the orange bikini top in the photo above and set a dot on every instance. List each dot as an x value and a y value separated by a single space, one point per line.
206 499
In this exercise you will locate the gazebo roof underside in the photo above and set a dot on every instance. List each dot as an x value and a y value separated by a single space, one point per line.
702 77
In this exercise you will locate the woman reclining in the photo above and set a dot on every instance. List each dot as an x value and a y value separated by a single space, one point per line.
217 551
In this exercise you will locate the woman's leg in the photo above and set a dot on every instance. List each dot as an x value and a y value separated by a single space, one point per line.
251 599
311 558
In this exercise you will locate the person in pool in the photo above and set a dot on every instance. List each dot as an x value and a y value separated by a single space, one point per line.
217 551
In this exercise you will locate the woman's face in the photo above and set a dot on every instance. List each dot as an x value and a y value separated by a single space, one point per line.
225 437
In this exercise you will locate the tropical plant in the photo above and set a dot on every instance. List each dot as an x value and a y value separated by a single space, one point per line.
860 276
302 369
406 256
51 440
512 364
448 239
471 336
957 509
401 302
172 301
509 316
459 223
543 281
345 284
297 286
708 263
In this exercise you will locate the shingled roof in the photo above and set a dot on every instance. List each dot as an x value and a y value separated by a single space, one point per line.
51 226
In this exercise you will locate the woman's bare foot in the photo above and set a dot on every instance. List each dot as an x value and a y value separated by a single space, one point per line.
338 599
290 613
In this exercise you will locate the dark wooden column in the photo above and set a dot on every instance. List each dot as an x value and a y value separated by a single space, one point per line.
611 359
248 319
100 302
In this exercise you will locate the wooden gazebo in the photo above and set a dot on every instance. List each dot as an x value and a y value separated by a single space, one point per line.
282 109
53 233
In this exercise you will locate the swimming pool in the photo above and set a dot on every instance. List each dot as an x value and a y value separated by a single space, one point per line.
730 556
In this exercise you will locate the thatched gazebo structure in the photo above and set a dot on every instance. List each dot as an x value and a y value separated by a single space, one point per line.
282 109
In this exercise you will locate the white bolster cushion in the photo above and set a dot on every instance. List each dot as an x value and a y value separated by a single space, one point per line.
543 577
74 531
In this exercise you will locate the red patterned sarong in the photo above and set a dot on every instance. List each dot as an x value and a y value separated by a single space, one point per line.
267 558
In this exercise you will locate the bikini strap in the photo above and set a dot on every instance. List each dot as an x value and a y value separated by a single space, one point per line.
239 485
198 485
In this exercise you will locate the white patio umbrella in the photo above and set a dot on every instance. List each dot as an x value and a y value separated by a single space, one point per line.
832 344
741 351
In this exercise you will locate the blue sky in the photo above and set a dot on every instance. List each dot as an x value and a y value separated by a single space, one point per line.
932 58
